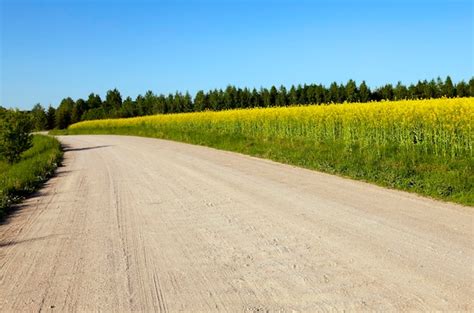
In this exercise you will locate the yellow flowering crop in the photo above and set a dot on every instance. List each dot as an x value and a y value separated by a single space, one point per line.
440 126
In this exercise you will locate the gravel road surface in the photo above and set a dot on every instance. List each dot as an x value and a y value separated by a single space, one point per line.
139 224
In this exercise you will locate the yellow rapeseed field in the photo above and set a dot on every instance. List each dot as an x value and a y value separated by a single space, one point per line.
439 126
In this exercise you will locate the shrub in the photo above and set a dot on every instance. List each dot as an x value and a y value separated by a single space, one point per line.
15 137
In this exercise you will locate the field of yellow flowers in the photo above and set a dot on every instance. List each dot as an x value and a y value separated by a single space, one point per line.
396 144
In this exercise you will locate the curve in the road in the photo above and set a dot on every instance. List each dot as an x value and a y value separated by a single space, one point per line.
143 224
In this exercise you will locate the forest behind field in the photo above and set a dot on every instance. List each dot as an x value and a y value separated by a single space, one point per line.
114 105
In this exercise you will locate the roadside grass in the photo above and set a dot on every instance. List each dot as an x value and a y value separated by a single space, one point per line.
401 154
22 178
58 132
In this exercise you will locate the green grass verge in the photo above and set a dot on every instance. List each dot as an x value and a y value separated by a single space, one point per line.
439 177
58 132
36 165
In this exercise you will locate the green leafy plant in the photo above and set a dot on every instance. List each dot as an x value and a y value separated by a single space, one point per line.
15 137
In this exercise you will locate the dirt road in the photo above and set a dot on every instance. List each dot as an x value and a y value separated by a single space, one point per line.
150 225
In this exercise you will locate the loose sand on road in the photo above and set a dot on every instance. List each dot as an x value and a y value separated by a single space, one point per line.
143 224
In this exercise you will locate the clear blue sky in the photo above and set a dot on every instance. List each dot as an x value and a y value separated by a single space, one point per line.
54 49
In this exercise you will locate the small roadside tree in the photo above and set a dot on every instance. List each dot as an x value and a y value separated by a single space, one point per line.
15 137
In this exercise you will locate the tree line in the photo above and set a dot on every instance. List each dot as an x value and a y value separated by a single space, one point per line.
114 106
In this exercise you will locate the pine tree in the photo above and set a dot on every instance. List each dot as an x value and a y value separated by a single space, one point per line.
292 96
333 93
39 117
273 95
400 92
200 101
63 113
51 118
364 92
448 88
351 91
113 100
281 99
